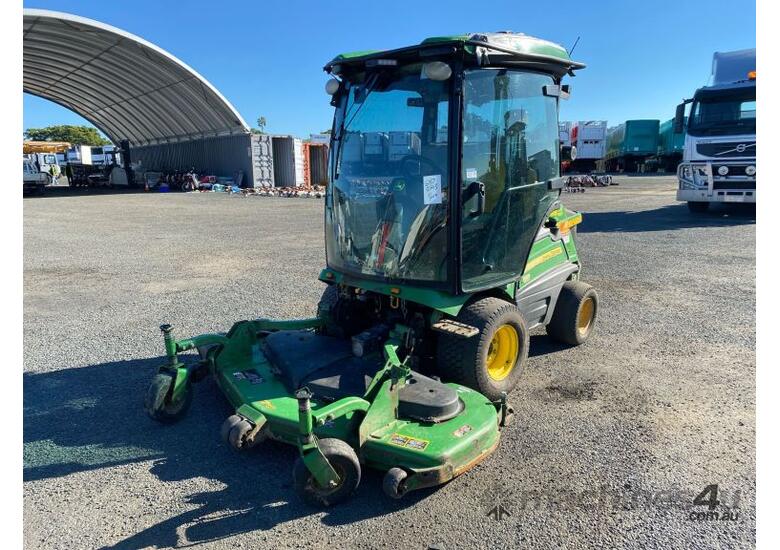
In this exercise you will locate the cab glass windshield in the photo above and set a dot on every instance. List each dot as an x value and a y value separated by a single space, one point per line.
723 113
386 209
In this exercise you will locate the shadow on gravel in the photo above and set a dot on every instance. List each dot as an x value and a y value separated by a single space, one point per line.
67 191
89 418
667 218
541 344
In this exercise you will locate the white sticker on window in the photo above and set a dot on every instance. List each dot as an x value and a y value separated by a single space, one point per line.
471 173
432 189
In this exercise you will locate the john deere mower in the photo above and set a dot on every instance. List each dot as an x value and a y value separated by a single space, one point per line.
446 243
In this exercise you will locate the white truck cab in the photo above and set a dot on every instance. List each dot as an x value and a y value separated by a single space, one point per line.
719 155
33 179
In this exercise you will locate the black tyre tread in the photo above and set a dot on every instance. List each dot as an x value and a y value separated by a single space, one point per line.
227 425
392 481
563 324
329 296
157 403
457 357
338 452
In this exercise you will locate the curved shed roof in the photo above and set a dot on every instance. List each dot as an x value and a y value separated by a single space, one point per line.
127 87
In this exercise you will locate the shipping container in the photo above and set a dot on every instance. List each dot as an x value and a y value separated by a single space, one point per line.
315 164
262 160
288 161
244 159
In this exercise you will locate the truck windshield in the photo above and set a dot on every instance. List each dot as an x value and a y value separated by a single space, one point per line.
724 113
387 204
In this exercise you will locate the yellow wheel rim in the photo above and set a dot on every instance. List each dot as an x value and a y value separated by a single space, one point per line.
585 316
502 353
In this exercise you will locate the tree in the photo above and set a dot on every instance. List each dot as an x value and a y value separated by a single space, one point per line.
77 135
261 122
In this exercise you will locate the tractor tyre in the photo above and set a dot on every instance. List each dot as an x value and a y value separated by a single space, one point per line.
158 402
392 483
344 460
329 296
492 361
698 207
575 313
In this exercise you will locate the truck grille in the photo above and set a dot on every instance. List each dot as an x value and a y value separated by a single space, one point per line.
734 184
726 150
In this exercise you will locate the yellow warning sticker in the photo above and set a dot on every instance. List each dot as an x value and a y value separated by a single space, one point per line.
267 404
409 442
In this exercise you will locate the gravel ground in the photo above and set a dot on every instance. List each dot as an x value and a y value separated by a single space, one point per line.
611 443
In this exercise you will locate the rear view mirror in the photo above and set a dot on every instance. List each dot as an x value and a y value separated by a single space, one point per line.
679 118
559 91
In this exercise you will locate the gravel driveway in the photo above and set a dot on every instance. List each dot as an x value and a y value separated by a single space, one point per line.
611 443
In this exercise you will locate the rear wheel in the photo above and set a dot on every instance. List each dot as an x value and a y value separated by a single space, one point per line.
575 313
344 460
492 361
698 207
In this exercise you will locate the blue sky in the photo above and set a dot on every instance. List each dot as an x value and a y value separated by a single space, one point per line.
266 57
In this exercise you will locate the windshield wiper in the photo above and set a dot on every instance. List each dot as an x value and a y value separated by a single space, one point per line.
367 88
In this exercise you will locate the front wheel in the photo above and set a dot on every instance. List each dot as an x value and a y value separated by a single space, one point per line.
698 207
492 361
344 460
158 402
575 313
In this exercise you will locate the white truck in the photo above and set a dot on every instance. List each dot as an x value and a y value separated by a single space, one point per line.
34 180
719 155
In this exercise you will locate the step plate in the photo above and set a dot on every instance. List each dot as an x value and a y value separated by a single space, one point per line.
451 326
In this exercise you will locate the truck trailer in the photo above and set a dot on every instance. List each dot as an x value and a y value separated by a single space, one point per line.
719 152
590 139
630 144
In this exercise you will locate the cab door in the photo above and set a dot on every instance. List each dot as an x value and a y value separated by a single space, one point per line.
509 152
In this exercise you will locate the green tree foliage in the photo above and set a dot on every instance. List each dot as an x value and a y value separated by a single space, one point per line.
261 122
77 135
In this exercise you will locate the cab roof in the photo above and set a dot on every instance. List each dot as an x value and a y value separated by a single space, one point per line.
496 48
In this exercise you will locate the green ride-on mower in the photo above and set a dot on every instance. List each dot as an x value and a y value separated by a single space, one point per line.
446 243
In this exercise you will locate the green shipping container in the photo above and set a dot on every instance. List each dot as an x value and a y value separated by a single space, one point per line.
633 138
670 143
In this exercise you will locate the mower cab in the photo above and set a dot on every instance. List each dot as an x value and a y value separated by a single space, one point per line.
445 242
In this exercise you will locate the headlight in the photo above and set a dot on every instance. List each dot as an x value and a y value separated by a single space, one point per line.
750 170
723 170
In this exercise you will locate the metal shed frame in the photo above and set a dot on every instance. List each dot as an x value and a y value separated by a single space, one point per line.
127 87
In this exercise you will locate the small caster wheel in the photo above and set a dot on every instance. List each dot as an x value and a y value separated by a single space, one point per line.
344 460
393 483
507 417
240 434
228 425
158 402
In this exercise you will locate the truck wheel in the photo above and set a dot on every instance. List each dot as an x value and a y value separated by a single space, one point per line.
344 460
698 207
492 361
575 313
158 402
